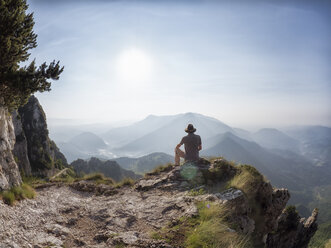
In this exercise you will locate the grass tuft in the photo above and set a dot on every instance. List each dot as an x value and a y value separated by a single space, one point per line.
98 178
8 197
212 229
18 193
30 180
247 180
125 182
160 169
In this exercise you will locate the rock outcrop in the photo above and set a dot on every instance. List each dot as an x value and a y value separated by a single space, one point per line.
9 172
89 215
36 154
21 147
292 231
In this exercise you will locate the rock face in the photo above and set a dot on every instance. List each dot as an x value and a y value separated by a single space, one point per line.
293 231
21 147
9 172
36 154
108 168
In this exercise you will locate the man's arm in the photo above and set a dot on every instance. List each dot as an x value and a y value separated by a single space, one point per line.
180 144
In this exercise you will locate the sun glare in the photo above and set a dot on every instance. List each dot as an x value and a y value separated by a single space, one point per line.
134 65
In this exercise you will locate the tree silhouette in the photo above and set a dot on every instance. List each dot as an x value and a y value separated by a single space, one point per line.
16 39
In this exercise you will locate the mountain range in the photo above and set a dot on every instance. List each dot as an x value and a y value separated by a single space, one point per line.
145 163
109 168
310 144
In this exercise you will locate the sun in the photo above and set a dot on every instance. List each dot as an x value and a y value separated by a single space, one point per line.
134 65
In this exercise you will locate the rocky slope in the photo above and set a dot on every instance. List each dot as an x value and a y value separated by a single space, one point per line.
35 153
84 214
9 172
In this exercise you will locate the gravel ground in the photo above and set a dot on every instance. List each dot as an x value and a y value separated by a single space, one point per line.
61 216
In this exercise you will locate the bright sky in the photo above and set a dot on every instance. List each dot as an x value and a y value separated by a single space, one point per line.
245 64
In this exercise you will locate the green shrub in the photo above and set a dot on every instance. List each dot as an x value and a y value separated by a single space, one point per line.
18 193
8 197
292 219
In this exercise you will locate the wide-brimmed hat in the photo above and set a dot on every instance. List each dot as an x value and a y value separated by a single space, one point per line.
190 129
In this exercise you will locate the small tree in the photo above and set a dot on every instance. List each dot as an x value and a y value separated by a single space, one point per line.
16 39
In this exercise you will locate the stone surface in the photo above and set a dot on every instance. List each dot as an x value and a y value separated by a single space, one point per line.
85 214
273 202
9 172
20 151
43 154
298 235
61 215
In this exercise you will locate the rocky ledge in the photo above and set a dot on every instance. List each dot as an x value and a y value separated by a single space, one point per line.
90 215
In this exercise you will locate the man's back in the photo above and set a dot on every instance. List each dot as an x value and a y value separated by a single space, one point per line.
191 143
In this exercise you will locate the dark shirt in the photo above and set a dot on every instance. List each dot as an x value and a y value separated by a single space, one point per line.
191 143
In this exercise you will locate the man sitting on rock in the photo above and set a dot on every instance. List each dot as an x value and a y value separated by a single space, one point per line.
192 144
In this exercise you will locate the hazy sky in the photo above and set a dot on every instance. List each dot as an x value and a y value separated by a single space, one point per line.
246 64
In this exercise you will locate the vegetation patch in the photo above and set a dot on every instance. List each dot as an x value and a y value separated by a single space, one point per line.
248 180
222 169
328 244
159 169
125 182
33 181
322 236
17 193
98 178
194 192
67 175
211 228
292 219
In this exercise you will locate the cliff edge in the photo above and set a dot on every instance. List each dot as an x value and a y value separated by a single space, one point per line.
36 154
215 204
